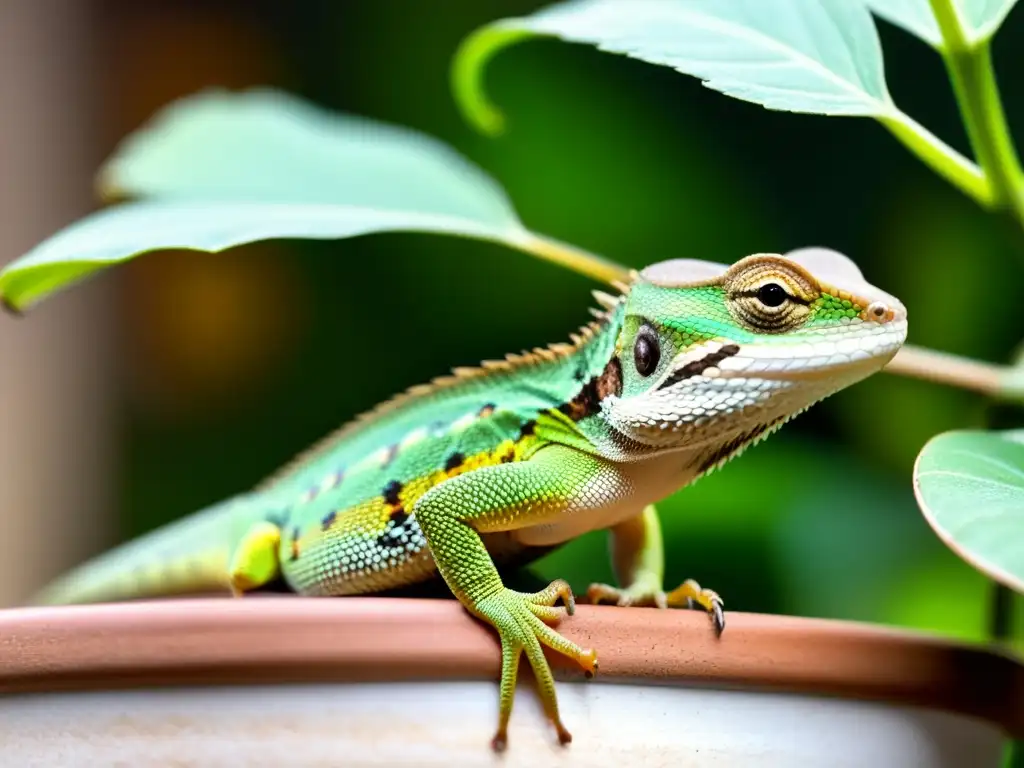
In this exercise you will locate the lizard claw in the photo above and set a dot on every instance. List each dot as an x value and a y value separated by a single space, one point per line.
691 594
519 619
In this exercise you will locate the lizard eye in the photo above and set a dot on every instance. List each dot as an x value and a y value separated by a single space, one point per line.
646 351
772 295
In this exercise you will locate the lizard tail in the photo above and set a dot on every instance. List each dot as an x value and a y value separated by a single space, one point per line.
186 557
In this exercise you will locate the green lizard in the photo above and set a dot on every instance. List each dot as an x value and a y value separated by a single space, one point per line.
693 362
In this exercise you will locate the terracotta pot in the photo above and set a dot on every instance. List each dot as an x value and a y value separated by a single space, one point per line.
370 681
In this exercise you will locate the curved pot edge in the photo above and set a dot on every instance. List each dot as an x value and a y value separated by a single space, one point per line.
293 639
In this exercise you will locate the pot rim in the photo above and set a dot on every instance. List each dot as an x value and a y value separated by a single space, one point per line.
266 639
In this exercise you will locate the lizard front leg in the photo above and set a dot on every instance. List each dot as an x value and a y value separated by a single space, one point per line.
557 481
638 559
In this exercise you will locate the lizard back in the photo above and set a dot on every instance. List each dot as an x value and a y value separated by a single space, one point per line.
345 506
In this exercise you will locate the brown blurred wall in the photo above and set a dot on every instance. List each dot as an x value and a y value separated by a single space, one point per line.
56 420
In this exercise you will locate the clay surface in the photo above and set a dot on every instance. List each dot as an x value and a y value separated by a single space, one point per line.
286 639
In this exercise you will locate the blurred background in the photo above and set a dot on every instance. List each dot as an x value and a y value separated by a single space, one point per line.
180 378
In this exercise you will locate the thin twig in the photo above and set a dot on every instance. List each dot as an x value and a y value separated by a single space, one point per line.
945 368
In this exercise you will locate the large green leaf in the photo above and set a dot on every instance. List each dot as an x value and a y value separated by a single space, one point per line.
223 169
979 18
818 56
970 486
125 231
267 145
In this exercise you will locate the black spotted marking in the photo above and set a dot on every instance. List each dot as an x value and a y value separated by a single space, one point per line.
454 461
580 374
329 519
393 534
527 429
392 492
486 410
696 368
587 401
398 516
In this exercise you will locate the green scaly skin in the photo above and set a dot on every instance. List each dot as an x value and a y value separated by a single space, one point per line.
693 362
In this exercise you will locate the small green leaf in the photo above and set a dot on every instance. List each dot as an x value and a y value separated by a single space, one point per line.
223 169
979 18
984 17
970 487
817 56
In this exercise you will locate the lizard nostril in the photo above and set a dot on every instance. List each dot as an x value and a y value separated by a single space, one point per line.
878 311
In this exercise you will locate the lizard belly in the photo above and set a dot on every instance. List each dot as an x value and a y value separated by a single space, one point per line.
650 481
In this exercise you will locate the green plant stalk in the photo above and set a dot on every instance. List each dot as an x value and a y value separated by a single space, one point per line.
969 64
572 258
1000 625
940 157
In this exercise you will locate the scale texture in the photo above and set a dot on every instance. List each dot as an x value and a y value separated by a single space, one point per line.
491 466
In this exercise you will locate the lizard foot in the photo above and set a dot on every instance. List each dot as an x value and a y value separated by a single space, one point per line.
686 595
520 620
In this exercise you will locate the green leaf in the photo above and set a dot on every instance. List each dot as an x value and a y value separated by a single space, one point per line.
817 56
984 17
269 146
970 487
223 169
126 231
914 16
979 18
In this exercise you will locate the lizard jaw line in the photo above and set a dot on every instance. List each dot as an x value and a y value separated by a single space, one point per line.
789 362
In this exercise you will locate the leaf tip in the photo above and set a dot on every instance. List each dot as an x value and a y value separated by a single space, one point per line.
467 74
106 187
10 307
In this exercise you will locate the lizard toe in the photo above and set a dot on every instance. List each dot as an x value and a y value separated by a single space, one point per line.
690 594
638 595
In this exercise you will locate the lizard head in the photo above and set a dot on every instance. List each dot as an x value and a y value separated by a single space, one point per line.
723 355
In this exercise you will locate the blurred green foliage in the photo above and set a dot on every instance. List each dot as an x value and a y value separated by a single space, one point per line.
639 164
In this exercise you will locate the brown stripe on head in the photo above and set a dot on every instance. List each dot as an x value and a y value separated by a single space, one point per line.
697 367
588 400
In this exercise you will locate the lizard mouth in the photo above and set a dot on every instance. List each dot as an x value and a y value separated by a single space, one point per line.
856 349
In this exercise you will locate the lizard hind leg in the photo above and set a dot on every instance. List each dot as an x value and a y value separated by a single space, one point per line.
639 561
256 559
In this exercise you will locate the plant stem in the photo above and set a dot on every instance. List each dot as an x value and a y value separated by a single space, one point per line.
569 256
1003 383
944 368
1000 617
969 64
940 157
